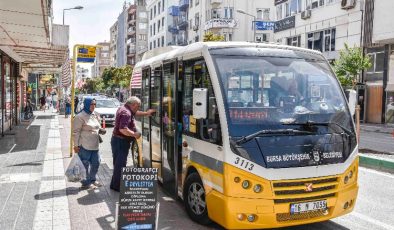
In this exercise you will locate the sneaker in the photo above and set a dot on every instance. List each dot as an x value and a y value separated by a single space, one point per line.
97 184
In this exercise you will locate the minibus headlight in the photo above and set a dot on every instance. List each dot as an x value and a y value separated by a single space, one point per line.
237 179
257 188
346 180
245 184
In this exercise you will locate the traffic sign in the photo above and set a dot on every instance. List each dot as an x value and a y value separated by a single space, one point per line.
86 54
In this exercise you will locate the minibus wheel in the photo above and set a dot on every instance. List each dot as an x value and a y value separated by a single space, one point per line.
194 199
135 154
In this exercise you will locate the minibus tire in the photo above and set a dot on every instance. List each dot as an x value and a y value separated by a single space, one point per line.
135 154
191 199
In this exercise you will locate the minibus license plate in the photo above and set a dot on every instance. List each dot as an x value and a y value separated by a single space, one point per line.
308 206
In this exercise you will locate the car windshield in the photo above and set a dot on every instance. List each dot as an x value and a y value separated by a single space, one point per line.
273 92
105 104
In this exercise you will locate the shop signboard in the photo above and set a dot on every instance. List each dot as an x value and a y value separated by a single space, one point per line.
264 25
86 54
137 199
284 24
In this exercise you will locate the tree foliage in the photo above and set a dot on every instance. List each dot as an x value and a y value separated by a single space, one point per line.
350 64
211 37
116 77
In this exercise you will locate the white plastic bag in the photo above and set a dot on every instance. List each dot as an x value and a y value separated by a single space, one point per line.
75 171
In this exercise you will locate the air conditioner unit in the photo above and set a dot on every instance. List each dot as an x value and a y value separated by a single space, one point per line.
348 4
306 14
195 27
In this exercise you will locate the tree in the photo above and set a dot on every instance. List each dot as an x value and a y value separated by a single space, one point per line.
116 77
350 64
211 37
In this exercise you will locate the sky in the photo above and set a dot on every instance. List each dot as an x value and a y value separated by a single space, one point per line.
91 24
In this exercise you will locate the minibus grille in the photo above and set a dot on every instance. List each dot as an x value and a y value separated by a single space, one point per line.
305 189
282 217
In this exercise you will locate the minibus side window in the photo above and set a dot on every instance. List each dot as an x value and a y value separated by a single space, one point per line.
196 75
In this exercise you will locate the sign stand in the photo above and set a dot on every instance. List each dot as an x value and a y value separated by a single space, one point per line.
157 215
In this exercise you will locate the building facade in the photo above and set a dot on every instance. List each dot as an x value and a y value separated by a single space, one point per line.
102 59
113 44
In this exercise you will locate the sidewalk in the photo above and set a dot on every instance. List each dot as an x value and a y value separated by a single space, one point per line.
380 128
34 193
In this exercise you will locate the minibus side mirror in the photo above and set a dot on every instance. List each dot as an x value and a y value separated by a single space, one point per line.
351 98
200 100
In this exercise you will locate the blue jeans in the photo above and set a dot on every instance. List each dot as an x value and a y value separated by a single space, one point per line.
120 149
91 161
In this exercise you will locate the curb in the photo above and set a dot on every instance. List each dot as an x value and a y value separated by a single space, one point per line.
377 163
388 130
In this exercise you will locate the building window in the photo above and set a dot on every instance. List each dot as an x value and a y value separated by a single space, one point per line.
228 12
279 11
196 19
197 2
154 11
154 28
150 45
322 40
154 44
294 41
162 5
191 24
191 4
287 9
159 7
150 30
158 42
295 7
216 13
262 37
162 22
158 26
151 15
162 40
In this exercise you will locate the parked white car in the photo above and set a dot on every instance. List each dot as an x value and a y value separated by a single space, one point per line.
106 108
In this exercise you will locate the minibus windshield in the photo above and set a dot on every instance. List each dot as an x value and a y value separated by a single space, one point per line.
266 93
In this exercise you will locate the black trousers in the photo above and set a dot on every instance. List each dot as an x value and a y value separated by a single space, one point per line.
120 149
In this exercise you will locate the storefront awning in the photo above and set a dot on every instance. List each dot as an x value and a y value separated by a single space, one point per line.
26 28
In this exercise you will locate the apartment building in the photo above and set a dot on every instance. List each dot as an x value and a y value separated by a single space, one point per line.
102 59
128 35
113 44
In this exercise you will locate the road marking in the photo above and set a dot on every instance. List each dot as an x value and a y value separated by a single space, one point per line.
12 148
377 172
372 221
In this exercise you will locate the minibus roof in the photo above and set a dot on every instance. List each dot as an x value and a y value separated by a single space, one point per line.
159 55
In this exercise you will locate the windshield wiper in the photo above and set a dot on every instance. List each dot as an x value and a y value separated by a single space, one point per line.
245 139
311 123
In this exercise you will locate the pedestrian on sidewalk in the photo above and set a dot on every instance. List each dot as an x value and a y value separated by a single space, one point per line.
49 101
42 102
86 130
68 106
76 102
124 132
54 101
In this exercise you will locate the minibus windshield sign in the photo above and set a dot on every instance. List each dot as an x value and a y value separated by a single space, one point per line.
245 139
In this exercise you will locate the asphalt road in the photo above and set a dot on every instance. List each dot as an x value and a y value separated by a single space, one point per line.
378 142
373 211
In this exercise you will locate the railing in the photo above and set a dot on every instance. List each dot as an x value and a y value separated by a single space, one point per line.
173 10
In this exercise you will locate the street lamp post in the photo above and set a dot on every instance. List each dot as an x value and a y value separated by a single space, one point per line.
254 22
73 8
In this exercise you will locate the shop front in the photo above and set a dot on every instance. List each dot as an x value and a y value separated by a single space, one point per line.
8 93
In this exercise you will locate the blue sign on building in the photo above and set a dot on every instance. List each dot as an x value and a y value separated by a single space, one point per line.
264 25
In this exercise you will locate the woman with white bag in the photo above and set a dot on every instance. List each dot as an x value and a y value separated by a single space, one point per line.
86 130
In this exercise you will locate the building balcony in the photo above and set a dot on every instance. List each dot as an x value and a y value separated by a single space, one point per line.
183 5
131 21
130 41
216 1
173 29
181 42
130 31
173 10
182 23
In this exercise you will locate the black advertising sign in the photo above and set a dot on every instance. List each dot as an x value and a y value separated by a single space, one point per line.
285 24
137 198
